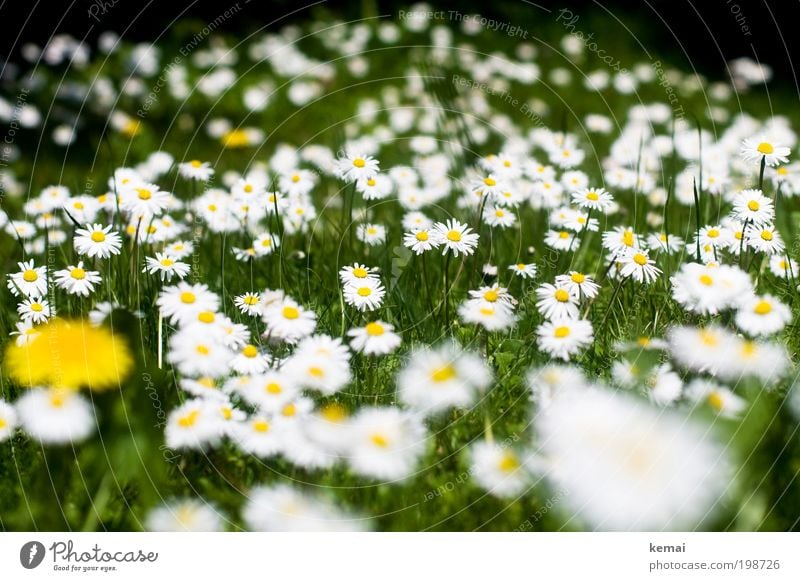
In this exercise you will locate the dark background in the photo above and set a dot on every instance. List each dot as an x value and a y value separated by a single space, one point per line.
692 33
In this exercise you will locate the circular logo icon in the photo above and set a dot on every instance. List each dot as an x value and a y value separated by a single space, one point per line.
31 554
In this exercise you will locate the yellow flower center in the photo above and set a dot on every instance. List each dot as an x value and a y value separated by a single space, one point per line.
709 338
316 372
78 273
30 275
422 236
380 440
520 266
334 412
491 295
290 312
251 300
489 182
715 401
445 373
274 388
202 350
78 205
762 308
144 194
592 196
289 410
98 237
250 351
563 234
713 233
454 236
261 426
508 462
37 307
206 317
765 148
640 259
364 291
766 235
561 332
561 295
360 272
706 280
189 419
753 205
577 277
187 298
167 262
627 238
374 329
359 162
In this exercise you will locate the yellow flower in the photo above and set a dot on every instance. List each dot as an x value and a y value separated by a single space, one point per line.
71 354
235 139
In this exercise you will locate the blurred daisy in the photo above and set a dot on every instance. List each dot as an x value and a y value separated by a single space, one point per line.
8 420
371 234
250 361
638 265
185 515
556 301
55 416
783 266
386 443
192 425
183 302
762 315
420 240
366 295
720 399
374 338
281 508
249 304
196 170
578 284
523 270
498 469
593 199
288 320
564 337
354 166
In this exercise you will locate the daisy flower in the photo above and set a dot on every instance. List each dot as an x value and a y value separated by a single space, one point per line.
34 310
97 240
167 266
754 207
288 320
593 199
523 270
30 280
195 354
25 333
556 301
492 316
259 436
763 148
193 425
564 337
719 398
143 200
270 391
249 304
498 469
8 420
250 361
765 238
281 508
455 237
494 294
179 249
374 338
386 443
321 363
266 244
357 273
638 265
196 170
366 295
496 216
707 290
377 187
620 239
55 416
437 378
762 315
183 302
559 239
783 266
664 243
76 280
489 186
420 240
706 349
185 515
371 234
354 166
578 284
